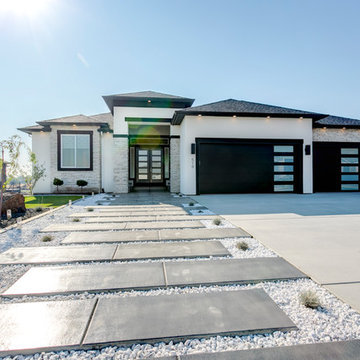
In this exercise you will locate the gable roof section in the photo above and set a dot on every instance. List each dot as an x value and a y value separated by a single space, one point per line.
337 121
147 99
233 107
103 120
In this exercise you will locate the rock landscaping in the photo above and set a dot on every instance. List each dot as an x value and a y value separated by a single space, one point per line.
300 321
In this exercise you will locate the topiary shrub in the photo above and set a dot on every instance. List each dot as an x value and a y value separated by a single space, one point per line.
58 182
38 209
310 299
191 204
81 183
242 245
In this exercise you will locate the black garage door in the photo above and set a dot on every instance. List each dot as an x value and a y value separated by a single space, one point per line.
336 166
244 166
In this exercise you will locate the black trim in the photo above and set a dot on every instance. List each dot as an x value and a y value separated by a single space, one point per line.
174 136
61 132
298 156
120 136
137 119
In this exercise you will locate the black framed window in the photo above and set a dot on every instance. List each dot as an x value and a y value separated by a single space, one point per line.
75 150
349 168
283 168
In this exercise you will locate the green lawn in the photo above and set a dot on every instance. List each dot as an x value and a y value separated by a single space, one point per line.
48 201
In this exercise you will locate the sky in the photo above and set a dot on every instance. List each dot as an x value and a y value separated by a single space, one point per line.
58 57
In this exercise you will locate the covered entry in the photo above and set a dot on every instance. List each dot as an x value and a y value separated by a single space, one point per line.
248 166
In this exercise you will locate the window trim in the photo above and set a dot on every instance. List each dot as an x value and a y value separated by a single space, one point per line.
70 132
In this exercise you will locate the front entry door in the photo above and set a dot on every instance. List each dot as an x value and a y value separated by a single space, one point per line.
149 169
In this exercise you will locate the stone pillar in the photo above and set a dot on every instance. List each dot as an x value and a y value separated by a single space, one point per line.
121 164
174 165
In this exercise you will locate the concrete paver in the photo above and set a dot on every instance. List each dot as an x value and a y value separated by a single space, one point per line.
41 326
162 225
340 350
155 318
122 226
107 277
116 219
230 271
153 235
72 279
170 250
57 254
105 214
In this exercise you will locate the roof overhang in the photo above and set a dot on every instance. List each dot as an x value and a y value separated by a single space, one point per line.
149 102
31 129
179 115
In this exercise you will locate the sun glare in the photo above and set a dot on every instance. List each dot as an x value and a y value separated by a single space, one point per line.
30 8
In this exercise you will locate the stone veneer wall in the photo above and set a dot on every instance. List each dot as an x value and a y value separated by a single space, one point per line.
175 165
340 135
121 164
70 177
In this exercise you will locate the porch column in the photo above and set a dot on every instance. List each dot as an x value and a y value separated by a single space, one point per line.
121 163
175 163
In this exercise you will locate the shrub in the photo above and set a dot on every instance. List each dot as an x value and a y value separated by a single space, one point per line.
191 204
46 238
217 221
200 211
75 220
38 209
81 183
242 245
309 299
58 182
90 209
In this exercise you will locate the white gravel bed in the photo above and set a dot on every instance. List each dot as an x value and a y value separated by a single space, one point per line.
191 206
224 224
256 249
335 321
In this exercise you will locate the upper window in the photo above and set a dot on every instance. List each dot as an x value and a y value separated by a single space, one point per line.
75 150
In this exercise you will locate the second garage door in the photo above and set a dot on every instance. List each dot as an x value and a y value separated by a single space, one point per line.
248 166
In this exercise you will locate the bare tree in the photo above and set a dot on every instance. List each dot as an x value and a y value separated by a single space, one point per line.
37 172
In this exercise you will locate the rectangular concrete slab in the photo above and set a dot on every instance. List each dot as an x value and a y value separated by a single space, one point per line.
106 214
57 254
230 271
170 250
116 219
83 227
40 326
141 206
185 234
90 278
179 317
145 213
153 235
111 236
161 225
338 350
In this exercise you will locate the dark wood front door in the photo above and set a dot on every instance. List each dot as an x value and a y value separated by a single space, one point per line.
149 166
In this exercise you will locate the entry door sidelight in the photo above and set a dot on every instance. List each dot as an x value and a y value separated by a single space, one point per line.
149 166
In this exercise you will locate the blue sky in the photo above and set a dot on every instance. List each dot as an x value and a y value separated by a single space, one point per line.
59 61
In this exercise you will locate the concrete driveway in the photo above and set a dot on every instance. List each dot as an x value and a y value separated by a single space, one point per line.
318 233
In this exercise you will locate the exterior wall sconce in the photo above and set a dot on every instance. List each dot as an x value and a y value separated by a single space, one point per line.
307 149
193 149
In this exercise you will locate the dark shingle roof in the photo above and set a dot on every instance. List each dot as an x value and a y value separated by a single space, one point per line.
337 121
240 107
147 99
75 119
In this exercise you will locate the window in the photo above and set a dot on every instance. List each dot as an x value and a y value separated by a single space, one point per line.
74 150
283 173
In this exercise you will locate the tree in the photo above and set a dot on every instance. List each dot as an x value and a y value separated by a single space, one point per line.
81 183
37 172
12 146
57 182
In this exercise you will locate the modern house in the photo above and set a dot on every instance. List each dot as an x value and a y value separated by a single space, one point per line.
150 139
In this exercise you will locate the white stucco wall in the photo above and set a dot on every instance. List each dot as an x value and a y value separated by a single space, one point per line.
107 169
194 127
41 148
120 113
